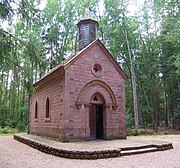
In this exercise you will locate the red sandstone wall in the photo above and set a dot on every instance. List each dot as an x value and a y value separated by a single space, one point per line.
53 126
76 121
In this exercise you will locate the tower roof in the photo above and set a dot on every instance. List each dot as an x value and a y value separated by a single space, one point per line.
87 20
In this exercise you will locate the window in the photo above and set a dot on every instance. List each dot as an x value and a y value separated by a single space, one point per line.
97 69
36 110
47 108
93 35
94 28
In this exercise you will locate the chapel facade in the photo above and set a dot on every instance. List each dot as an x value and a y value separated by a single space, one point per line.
82 98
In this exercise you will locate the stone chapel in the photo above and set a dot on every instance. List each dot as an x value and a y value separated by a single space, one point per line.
82 98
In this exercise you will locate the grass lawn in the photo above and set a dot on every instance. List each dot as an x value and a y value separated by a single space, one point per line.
9 134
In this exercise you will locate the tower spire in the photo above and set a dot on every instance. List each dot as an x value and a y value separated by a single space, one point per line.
87 13
87 29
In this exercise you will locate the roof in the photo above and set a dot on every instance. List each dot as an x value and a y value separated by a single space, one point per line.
75 56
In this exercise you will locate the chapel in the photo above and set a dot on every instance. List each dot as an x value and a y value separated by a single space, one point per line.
82 98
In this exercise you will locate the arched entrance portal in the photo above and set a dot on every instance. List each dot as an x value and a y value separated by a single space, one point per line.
97 116
97 102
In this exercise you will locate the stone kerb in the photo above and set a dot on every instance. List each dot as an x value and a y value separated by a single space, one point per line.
74 154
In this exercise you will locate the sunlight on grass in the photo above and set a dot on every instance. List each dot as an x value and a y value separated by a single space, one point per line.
7 131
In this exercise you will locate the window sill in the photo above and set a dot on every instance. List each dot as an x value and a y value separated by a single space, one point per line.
36 120
47 120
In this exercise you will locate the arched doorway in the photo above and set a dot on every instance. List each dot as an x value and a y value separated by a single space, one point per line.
97 116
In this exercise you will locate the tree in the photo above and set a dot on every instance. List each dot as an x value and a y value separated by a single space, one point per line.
146 46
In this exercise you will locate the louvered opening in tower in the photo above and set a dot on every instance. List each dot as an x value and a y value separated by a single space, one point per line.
87 32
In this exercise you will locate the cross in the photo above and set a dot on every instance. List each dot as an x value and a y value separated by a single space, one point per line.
96 68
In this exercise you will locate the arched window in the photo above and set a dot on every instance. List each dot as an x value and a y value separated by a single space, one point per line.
47 108
36 110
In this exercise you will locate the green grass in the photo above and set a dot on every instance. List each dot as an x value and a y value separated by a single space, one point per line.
1 134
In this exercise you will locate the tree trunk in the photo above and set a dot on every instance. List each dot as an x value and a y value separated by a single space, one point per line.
166 105
133 78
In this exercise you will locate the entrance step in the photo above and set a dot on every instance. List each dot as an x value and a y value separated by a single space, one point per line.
144 149
138 150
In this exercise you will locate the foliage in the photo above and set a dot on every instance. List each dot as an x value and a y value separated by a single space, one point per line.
129 119
8 131
35 40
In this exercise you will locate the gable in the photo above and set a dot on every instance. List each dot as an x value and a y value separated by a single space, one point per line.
102 48
59 69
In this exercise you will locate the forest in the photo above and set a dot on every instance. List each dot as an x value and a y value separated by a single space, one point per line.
36 35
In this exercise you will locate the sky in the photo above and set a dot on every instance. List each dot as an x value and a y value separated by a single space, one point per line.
133 7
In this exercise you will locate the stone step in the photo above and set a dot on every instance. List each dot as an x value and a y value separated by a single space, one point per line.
138 151
138 147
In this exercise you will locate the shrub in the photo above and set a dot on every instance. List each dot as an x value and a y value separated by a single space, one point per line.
6 130
21 127
1 130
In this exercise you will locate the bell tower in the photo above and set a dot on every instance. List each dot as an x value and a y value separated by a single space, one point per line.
87 30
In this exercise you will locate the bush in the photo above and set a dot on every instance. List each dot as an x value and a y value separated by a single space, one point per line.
21 127
7 122
1 130
6 130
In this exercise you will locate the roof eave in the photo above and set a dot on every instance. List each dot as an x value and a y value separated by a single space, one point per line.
61 68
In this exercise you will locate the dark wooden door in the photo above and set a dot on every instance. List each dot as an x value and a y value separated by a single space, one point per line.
99 121
96 121
92 121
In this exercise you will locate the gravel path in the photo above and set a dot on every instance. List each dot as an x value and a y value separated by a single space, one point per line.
14 154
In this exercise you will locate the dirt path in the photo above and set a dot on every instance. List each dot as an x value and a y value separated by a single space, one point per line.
14 154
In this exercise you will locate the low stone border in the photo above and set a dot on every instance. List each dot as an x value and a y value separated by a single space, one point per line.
72 154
